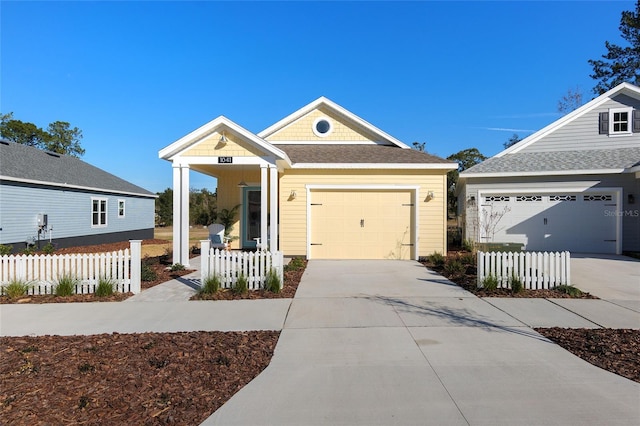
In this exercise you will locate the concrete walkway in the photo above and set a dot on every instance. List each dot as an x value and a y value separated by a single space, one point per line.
389 343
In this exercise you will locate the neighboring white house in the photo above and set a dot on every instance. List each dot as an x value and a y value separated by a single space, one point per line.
574 185
48 197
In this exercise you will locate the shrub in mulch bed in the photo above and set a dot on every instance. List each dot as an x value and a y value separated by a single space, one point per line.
52 298
460 268
162 273
141 379
292 275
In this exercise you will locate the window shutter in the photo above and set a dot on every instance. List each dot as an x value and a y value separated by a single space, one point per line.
604 123
636 121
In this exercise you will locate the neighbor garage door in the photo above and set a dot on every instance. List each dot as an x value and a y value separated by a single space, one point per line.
578 222
373 224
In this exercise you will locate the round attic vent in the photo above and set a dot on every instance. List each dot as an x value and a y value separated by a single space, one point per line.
322 127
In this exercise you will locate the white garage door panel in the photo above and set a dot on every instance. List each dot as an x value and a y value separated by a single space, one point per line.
360 224
578 222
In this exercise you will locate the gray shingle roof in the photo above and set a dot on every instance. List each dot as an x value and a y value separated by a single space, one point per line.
358 154
554 161
27 163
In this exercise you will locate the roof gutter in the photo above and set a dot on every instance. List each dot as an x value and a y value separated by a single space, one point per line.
84 188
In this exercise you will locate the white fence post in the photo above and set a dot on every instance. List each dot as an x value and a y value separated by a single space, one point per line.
204 259
136 265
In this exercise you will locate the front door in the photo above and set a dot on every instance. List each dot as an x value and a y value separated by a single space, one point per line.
250 216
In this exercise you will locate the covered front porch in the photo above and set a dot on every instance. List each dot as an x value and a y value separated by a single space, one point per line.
246 168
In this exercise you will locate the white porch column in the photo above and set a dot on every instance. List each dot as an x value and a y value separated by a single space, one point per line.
184 218
177 206
263 206
273 207
181 214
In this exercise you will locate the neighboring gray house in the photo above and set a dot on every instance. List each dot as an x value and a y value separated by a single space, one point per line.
574 185
51 197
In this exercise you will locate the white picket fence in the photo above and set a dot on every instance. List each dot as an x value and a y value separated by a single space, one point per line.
535 270
42 272
229 265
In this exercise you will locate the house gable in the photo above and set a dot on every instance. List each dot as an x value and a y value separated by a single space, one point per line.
579 130
206 142
234 147
340 130
344 127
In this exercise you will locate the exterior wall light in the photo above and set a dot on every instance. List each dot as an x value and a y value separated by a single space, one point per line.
631 199
223 139
293 195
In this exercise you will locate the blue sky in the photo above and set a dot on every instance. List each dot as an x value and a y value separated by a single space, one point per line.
136 76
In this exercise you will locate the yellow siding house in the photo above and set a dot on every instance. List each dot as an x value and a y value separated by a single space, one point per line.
321 183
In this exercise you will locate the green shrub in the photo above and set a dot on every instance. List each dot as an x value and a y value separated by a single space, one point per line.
569 289
516 284
105 287
29 250
272 283
454 267
177 267
294 264
210 284
5 250
240 286
469 245
16 288
436 258
48 248
147 273
468 259
66 285
490 283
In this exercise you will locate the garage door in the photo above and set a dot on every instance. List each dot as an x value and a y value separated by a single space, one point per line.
361 224
578 222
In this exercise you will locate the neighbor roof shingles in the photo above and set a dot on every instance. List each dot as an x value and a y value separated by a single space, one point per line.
524 162
27 163
358 154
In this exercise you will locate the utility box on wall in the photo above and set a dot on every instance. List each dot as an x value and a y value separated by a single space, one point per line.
42 220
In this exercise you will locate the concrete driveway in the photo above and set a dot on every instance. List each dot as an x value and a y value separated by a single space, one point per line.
390 343
610 277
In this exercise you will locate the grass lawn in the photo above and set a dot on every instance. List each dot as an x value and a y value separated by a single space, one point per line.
196 233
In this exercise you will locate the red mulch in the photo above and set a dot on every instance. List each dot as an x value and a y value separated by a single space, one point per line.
614 350
290 286
467 279
135 379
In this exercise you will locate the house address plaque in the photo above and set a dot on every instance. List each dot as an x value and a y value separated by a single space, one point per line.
225 160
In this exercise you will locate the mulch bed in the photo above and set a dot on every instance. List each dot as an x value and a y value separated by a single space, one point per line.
614 350
136 379
290 286
467 279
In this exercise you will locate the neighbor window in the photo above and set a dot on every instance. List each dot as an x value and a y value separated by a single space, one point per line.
620 121
98 212
120 208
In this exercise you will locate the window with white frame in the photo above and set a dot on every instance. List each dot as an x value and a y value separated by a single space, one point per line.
120 208
620 120
98 212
